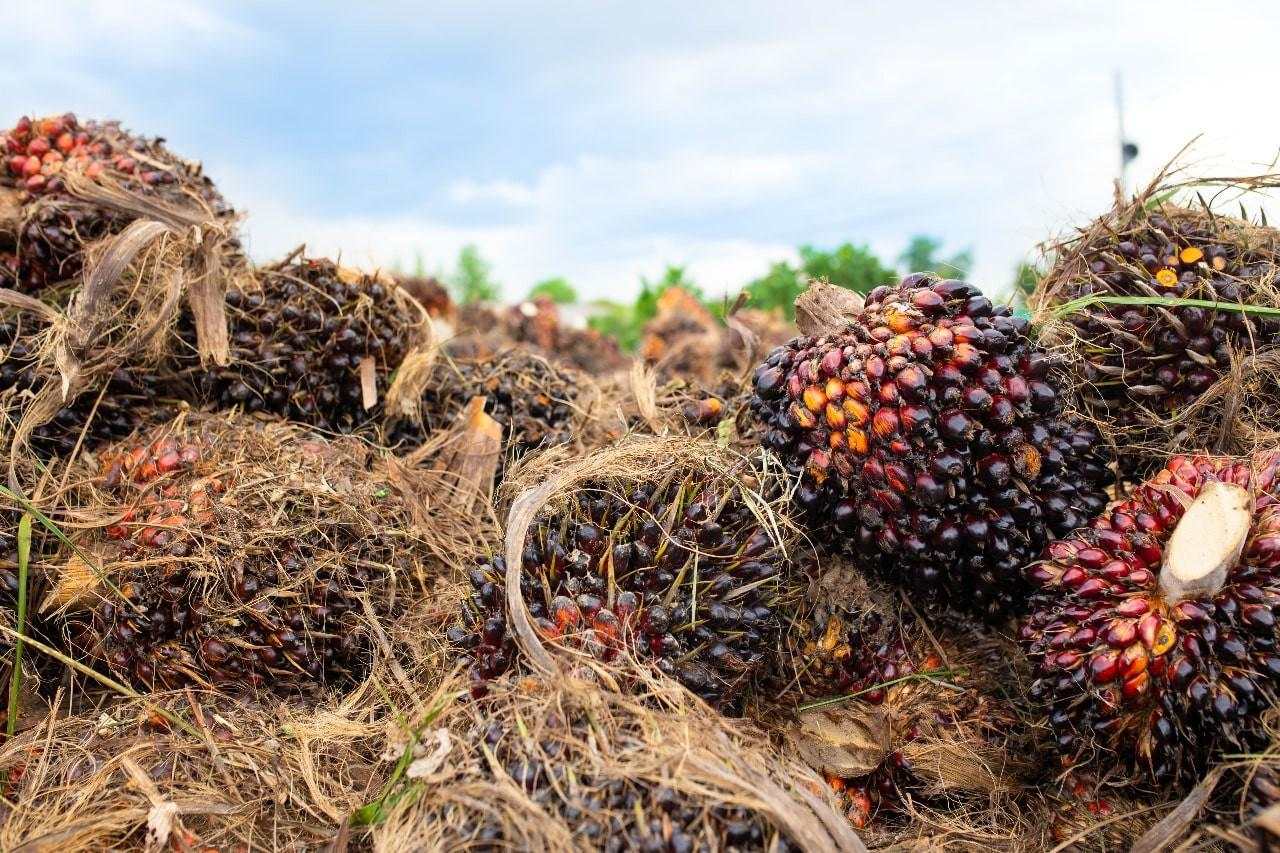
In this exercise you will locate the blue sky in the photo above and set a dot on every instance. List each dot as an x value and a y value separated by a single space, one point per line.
601 141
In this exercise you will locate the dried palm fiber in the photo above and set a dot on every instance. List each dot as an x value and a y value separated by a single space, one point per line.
193 771
561 762
538 403
682 339
1106 822
311 341
47 221
1168 309
663 549
130 395
239 555
749 333
104 336
895 711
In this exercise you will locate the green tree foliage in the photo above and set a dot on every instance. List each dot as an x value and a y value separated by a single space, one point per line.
921 255
646 307
473 279
847 265
617 321
558 290
1025 279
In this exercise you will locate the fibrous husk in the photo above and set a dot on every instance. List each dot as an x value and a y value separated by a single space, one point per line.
560 763
1217 391
192 771
239 555
908 715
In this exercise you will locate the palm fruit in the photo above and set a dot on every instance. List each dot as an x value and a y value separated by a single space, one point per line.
44 227
311 342
888 732
615 814
128 399
1153 631
228 568
584 768
930 435
431 295
532 398
1104 823
1141 364
677 571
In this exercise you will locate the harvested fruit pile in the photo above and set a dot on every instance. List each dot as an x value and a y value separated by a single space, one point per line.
297 556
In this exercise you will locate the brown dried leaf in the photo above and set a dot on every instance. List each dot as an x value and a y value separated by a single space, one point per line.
847 741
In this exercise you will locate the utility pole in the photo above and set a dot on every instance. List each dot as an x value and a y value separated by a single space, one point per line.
1128 149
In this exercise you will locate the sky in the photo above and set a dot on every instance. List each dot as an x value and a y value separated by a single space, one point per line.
601 141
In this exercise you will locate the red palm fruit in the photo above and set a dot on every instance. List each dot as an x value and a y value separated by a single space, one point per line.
1140 364
42 242
1153 630
678 572
954 463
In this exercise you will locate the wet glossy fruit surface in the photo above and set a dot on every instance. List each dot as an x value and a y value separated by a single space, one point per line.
1158 687
931 443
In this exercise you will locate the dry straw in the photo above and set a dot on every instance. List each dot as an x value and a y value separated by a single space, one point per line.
1238 413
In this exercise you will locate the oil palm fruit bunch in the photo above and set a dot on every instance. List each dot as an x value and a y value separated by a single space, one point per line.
847 638
930 439
677 570
532 398
311 342
1153 632
128 399
1140 364
609 813
45 226
223 565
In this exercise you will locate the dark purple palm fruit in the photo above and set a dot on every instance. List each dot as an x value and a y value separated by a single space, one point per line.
44 228
312 342
680 572
1153 633
1140 364
930 440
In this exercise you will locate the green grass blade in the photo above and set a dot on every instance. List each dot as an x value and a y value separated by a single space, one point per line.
15 678
1076 305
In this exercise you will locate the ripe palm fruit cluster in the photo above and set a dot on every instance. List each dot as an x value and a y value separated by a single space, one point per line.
931 437
217 581
531 397
1139 363
128 399
1153 634
607 771
311 342
46 227
677 571
847 638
